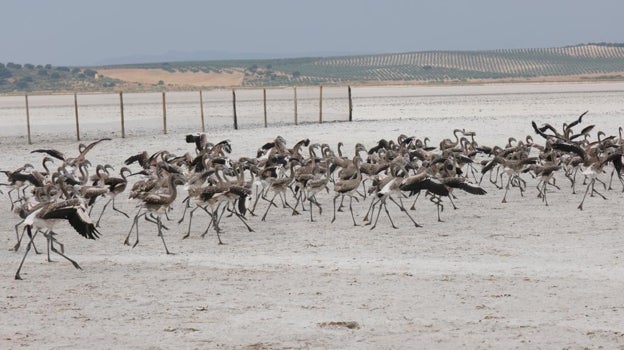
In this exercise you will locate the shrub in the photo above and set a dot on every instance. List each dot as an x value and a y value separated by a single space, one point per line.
4 73
21 85
89 73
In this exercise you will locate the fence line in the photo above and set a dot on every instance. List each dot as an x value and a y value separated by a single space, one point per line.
76 113
296 120
265 111
164 103
53 117
350 104
321 104
265 106
28 120
123 123
201 108
234 105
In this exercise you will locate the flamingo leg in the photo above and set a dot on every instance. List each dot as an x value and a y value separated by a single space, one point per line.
32 237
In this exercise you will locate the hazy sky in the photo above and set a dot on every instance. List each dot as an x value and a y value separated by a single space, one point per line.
83 32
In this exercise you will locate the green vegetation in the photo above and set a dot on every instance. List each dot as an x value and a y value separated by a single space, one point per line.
604 60
17 78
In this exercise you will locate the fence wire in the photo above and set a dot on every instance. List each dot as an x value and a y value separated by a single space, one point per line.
99 115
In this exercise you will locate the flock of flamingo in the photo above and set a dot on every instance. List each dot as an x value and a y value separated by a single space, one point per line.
222 187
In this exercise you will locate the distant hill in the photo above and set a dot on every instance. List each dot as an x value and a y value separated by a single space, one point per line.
203 55
595 61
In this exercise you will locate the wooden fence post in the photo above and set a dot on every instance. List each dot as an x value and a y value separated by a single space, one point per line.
321 104
350 105
201 106
123 124
296 121
28 120
164 114
234 105
76 113
265 112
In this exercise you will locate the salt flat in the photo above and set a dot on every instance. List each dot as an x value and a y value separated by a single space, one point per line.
492 275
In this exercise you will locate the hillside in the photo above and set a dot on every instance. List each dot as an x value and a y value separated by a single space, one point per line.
600 61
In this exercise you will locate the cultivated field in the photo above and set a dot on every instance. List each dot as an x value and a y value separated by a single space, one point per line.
583 62
492 275
580 62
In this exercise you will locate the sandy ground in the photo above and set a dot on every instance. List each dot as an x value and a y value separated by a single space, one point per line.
153 76
492 275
